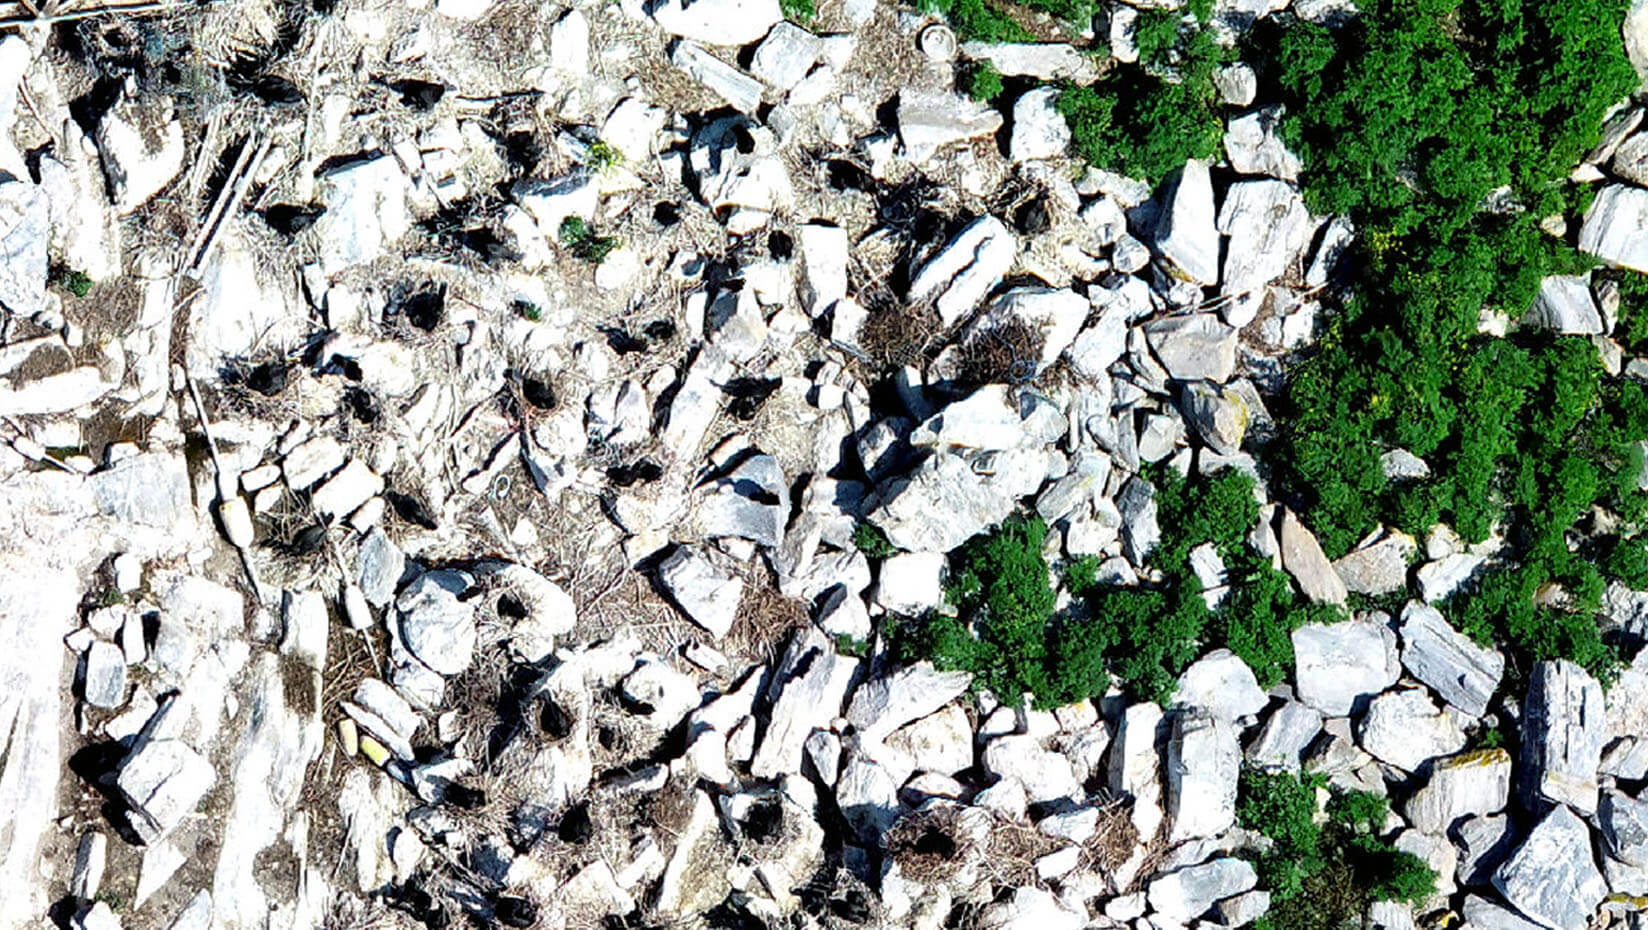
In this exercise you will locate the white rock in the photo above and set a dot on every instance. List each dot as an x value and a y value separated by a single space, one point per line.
438 628
707 595
1563 731
928 122
1337 665
1045 775
351 487
1039 129
1268 227
785 56
939 742
1616 227
717 22
1237 83
1049 61
1185 233
727 82
1624 822
1465 785
1553 878
1255 147
1404 728
911 583
24 233
824 254
941 505
1303 558
1204 761
967 269
1286 735
1378 568
1029 909
1564 305
105 676
811 683
1135 767
1221 684
1194 347
1461 672
1188 893
142 147
569 50
367 209
162 780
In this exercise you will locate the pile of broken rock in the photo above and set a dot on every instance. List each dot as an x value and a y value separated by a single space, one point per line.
410 567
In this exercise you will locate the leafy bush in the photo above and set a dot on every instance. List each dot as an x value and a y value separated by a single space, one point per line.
798 11
1324 875
870 540
584 243
75 282
984 81
978 20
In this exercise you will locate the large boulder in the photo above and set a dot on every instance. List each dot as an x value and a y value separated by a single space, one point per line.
1186 237
968 268
1405 728
1204 760
1461 672
1616 227
1339 665
1184 895
1563 730
1468 784
1552 878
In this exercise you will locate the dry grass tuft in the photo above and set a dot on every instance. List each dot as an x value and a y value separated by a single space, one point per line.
1113 842
900 334
766 619
1005 354
930 845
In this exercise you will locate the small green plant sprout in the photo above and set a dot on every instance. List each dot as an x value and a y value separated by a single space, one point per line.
584 242
604 157
799 11
527 310
983 81
849 645
75 282
869 539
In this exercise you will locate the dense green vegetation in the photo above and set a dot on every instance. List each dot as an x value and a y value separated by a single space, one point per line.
1006 631
983 81
584 243
1433 105
798 11
1323 875
1144 120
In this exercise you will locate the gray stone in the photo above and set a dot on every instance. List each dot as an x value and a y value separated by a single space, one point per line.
1616 227
749 502
1484 843
1140 532
717 22
24 233
911 583
1243 909
1465 785
928 122
142 147
1204 761
940 742
1483 914
380 565
1194 346
993 418
97 916
1630 160
311 461
1186 237
1436 851
89 859
437 627
1030 909
1564 305
1054 315
810 684
347 490
1045 775
1135 766
968 267
1048 61
1552 879
825 251
1187 894
551 202
1563 731
1442 577
1303 558
1238 84
1221 684
367 210
1287 733
162 781
105 676
1268 227
708 595
1404 728
1378 568
887 702
941 504
1039 130
1624 822
868 797
1254 146
738 89
1461 672
1218 416
786 55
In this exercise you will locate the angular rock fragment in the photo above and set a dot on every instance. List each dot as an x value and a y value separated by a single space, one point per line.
1186 237
1188 893
1616 227
706 594
1564 305
437 627
967 269
1204 760
717 22
1337 665
1552 879
1404 728
1303 558
1461 672
928 122
1469 784
1194 347
1563 730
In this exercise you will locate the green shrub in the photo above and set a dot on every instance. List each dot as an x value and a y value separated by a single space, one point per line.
1324 875
75 282
978 20
583 241
870 540
798 11
984 81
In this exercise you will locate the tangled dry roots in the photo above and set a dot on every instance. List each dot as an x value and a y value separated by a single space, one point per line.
1003 354
930 845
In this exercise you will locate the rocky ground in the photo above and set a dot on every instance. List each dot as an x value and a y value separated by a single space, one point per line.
436 441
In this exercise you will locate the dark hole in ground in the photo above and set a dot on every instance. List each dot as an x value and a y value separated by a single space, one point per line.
515 912
1032 218
411 509
666 214
660 330
644 470
780 245
764 822
419 94
622 342
556 723
510 607
361 405
538 393
743 140
934 842
847 176
268 378
464 797
423 309
273 89
289 219
748 394
307 541
576 827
